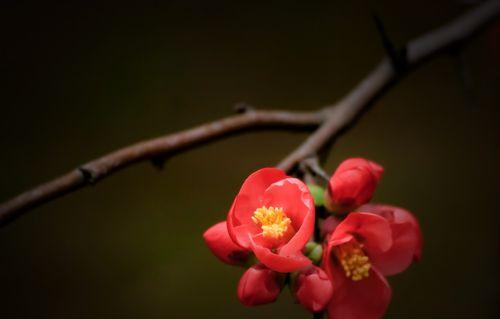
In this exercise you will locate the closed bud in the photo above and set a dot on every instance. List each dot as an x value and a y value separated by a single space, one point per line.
352 185
222 246
259 285
313 289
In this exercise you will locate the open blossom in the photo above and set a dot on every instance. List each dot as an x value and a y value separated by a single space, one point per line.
259 285
273 216
222 246
359 252
313 289
352 184
406 238
360 290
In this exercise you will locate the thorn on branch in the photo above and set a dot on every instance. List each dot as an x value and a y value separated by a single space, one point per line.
159 162
398 57
87 174
243 107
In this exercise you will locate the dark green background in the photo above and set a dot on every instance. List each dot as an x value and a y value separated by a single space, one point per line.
78 80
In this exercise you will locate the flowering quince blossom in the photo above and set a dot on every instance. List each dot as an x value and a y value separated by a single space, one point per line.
361 291
342 268
363 248
273 216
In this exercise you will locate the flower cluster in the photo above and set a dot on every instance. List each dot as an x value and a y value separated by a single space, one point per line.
332 248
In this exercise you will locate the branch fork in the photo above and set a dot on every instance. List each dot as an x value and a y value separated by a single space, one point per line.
328 122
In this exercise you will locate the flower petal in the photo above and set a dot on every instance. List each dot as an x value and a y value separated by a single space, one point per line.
313 289
406 237
294 197
258 285
352 188
329 225
280 262
357 162
364 299
371 230
352 184
252 191
222 246
249 198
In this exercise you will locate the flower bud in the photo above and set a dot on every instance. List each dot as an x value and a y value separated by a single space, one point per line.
222 246
259 285
313 289
352 184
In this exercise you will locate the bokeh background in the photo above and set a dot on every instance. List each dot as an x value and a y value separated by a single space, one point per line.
78 80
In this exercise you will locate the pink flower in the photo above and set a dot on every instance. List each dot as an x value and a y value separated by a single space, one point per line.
313 289
222 246
273 216
259 285
352 184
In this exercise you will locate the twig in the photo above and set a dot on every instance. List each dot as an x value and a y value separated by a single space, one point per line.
168 145
332 120
351 107
312 166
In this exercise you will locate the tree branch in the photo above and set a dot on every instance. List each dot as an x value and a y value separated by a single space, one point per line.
332 121
167 145
345 113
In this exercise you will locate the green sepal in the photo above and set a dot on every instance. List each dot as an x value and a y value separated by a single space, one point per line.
316 254
318 194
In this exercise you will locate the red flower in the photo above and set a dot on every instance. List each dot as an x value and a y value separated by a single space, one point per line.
273 216
406 238
351 260
259 285
352 184
222 246
313 289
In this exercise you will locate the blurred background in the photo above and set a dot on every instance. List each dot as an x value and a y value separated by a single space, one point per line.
78 80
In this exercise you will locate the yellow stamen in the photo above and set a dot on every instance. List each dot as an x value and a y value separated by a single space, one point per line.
354 261
272 220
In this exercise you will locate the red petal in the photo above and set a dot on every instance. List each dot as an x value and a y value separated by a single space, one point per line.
248 199
352 188
353 183
356 162
258 285
371 230
329 225
294 197
364 299
252 191
313 289
406 236
222 246
281 263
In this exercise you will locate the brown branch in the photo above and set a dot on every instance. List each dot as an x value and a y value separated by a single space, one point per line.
351 107
311 166
167 145
332 121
